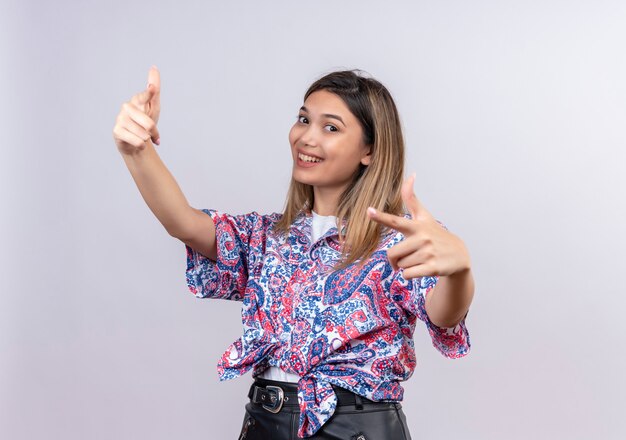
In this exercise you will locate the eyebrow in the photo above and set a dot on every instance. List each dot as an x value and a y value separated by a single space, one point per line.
328 115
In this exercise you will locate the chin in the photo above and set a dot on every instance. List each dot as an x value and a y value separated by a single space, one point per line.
304 181
307 181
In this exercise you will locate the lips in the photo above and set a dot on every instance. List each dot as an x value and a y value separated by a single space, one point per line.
309 154
306 161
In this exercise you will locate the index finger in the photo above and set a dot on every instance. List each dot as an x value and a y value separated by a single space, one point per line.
398 223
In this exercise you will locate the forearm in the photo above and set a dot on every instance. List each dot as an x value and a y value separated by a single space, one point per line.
450 299
159 189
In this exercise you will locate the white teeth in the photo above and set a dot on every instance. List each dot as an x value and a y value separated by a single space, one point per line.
306 158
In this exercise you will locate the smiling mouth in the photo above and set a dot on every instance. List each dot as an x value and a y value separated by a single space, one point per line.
305 158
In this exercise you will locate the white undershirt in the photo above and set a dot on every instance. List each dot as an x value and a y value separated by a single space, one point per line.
321 224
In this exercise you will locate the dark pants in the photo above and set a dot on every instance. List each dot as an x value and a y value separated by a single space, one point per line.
363 420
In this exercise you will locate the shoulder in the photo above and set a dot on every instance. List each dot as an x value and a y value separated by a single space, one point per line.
251 221
247 216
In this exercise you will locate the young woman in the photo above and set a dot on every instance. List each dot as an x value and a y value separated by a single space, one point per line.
331 288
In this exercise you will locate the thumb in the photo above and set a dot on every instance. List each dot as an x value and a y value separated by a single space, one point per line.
411 201
145 96
154 78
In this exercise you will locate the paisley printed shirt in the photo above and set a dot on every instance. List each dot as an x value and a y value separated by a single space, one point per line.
352 328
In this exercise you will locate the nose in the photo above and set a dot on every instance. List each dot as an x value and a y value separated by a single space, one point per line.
308 137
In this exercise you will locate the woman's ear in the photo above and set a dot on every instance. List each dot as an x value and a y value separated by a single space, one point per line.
365 160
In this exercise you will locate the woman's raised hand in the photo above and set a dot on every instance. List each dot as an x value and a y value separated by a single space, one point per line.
137 120
428 249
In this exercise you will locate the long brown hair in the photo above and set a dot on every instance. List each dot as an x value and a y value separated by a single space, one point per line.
378 184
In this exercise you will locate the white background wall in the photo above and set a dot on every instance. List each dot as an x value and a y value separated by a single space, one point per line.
514 115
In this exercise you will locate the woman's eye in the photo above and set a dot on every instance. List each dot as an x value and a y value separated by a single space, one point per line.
303 119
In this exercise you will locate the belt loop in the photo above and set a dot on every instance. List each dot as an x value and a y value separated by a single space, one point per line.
358 402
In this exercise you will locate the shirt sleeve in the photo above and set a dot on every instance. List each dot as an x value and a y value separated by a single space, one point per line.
452 342
238 244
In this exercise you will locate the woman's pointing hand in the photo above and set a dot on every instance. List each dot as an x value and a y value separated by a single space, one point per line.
136 122
428 249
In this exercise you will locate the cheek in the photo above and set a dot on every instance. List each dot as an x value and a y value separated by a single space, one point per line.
293 135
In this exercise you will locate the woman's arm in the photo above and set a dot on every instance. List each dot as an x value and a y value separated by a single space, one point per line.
429 250
450 299
168 203
135 128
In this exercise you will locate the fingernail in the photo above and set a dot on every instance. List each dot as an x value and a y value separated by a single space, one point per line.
371 210
158 141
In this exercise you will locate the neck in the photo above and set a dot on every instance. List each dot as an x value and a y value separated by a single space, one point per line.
326 200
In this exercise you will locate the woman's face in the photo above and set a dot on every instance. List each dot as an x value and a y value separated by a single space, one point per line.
327 143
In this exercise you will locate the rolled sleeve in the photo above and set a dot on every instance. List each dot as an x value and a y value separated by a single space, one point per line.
452 342
226 277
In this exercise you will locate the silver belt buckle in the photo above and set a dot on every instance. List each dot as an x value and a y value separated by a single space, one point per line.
279 397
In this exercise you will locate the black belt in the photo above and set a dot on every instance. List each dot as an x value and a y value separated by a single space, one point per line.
273 395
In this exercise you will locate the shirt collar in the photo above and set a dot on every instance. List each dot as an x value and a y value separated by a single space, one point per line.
303 222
